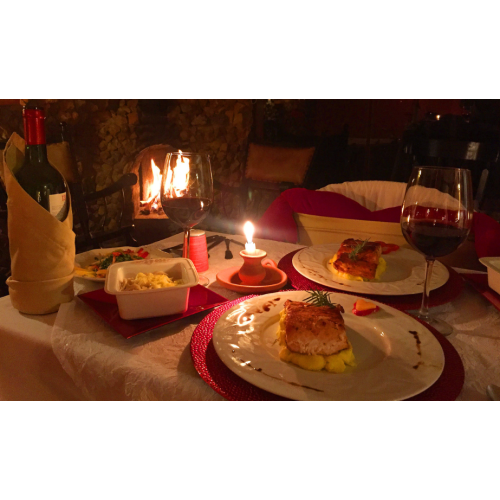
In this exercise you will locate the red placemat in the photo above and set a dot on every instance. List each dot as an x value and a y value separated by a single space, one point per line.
222 380
200 299
446 293
480 283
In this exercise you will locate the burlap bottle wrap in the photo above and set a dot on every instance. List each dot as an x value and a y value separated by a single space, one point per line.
42 248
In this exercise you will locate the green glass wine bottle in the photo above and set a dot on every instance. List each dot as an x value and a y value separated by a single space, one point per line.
37 176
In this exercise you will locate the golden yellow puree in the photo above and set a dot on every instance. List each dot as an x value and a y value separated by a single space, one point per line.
382 266
335 363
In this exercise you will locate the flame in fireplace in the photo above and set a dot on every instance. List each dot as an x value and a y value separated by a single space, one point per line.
152 201
177 180
176 183
154 188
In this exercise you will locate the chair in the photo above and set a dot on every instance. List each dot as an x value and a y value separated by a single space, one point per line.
373 195
325 216
454 143
82 207
85 205
316 217
270 169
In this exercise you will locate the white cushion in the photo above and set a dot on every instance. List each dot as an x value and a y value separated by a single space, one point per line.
373 195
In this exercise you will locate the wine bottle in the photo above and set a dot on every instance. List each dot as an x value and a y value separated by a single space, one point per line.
37 176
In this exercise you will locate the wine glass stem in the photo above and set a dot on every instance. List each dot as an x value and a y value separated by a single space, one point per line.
185 251
424 308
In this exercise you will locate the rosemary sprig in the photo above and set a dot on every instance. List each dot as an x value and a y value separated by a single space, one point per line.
320 298
353 255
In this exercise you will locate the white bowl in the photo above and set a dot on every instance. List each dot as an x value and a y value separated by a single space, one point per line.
136 304
493 265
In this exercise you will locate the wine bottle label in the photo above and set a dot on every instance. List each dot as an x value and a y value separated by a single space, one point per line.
57 205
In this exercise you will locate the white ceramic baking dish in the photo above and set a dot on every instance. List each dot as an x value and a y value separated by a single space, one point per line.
137 304
493 265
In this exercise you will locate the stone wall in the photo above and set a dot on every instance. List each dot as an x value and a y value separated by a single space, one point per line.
108 134
220 128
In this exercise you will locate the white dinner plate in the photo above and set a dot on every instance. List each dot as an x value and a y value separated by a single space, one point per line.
404 274
84 259
391 363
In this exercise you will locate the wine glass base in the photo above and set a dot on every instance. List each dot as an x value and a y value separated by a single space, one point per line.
438 324
204 281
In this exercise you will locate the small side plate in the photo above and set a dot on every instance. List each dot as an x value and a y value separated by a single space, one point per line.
275 280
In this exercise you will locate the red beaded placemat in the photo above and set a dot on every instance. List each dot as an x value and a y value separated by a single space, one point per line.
446 293
222 380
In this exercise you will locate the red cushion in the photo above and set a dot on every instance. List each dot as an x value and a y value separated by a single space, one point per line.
392 214
486 235
278 222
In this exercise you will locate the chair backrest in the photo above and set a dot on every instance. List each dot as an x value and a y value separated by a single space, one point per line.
317 230
276 165
446 151
481 158
81 203
373 195
85 205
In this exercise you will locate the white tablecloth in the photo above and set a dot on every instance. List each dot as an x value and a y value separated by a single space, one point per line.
75 355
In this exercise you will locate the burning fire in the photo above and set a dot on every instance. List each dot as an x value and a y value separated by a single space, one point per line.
177 180
153 195
176 183
154 188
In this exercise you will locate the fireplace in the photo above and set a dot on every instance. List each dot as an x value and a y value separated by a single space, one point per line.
151 224
148 167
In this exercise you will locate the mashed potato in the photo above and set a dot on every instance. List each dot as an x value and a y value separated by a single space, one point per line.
336 363
381 268
149 281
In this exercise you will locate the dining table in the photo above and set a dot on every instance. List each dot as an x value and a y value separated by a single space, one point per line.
73 354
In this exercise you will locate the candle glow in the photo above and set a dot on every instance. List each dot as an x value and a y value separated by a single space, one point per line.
248 229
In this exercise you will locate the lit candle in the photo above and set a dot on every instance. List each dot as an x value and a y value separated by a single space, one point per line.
248 229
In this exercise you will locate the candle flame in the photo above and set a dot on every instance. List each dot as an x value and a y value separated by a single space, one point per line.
248 229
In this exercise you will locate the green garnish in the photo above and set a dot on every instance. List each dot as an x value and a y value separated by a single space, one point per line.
353 255
320 298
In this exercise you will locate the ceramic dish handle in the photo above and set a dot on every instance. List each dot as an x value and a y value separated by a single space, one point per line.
269 263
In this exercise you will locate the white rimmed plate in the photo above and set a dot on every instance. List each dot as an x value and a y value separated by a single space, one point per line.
392 365
84 259
404 275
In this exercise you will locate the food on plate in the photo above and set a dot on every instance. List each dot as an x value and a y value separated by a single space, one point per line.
99 268
364 307
313 336
148 281
359 260
387 247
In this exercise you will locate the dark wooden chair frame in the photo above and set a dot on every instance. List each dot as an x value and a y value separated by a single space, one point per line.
440 152
80 201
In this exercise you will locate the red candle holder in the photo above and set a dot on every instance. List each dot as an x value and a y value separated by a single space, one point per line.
253 272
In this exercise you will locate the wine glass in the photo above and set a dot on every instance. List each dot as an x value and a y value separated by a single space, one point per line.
187 192
436 218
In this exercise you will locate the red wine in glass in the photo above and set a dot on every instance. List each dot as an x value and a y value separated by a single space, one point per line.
186 212
187 192
432 238
436 218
